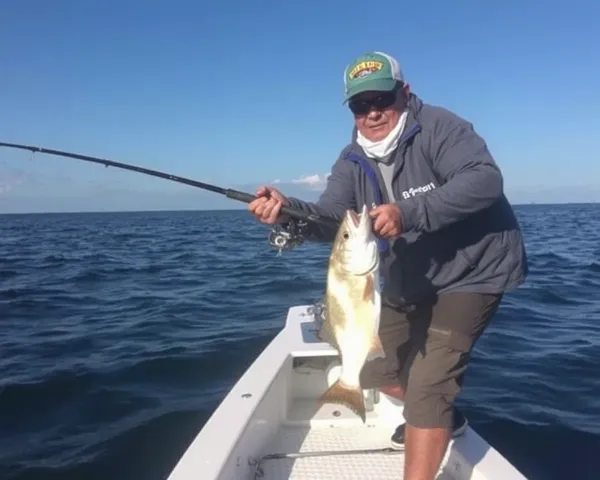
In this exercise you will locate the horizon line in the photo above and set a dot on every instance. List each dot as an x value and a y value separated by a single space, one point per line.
79 212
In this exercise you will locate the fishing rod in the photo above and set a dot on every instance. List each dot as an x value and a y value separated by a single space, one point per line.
283 236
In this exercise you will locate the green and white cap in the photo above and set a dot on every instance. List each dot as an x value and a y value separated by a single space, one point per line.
371 71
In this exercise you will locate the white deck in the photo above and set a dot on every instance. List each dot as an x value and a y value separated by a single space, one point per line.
353 465
270 425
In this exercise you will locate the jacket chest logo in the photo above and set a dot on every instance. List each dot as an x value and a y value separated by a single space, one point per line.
412 191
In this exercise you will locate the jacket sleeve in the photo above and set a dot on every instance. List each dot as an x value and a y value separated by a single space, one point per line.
333 202
473 182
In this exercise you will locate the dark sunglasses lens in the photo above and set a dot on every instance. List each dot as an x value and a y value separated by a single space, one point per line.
361 107
384 100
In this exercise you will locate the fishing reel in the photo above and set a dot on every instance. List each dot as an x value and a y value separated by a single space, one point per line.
288 235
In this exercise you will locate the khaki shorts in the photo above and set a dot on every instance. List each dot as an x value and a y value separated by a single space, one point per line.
427 348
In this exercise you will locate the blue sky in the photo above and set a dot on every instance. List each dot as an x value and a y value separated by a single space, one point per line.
243 93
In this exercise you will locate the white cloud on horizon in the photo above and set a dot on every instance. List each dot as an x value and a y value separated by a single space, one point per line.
313 182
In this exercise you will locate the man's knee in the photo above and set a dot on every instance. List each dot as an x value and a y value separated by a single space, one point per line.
378 373
435 379
395 391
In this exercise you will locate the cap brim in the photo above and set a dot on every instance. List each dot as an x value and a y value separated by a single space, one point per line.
379 85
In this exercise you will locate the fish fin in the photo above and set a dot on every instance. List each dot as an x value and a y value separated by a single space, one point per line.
351 397
376 350
369 288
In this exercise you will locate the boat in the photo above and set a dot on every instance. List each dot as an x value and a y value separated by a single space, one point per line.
271 424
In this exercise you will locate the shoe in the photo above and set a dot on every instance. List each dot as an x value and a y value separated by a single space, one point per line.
459 427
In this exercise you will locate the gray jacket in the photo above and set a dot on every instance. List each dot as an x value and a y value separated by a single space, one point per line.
461 233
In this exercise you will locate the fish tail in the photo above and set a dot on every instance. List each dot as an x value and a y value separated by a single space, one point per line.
351 397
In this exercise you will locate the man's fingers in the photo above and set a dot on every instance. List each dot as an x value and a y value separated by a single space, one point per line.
264 209
267 206
387 229
376 211
380 222
386 226
274 213
267 211
390 230
262 191
272 193
257 206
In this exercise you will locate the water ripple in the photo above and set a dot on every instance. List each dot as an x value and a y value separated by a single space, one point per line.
118 329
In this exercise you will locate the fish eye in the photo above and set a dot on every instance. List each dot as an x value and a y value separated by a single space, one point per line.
345 235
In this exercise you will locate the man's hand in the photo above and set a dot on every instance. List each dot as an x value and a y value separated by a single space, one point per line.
267 206
388 221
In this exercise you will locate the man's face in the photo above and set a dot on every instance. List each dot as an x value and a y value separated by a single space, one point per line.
377 113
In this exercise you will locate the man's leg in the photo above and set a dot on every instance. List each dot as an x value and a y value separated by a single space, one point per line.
436 375
401 330
418 320
398 440
395 391
395 336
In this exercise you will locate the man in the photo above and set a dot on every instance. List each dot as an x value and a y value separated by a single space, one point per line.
450 245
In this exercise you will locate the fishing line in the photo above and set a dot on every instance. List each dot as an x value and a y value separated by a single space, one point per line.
283 236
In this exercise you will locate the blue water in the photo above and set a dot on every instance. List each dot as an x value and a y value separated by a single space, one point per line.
120 334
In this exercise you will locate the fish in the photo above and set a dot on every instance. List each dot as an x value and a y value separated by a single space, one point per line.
352 307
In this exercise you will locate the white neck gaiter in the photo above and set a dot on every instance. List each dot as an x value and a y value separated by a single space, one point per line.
384 147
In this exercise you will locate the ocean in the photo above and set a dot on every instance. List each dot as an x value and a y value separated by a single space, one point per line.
121 332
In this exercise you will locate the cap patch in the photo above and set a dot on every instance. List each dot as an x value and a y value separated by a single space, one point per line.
365 68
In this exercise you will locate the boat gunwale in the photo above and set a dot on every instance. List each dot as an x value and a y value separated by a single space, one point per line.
216 441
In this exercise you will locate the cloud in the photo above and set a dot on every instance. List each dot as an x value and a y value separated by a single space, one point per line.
312 182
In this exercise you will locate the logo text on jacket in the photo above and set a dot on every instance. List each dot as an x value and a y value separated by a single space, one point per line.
411 192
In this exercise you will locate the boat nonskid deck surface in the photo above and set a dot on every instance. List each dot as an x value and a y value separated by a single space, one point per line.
328 441
272 425
320 453
332 453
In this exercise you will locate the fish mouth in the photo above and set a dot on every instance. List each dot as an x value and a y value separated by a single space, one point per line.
354 217
358 219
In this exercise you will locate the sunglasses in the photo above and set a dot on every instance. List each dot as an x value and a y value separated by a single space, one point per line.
380 102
